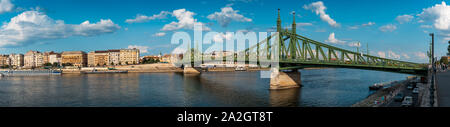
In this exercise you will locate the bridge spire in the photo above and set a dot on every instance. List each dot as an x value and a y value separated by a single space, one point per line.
294 25
278 22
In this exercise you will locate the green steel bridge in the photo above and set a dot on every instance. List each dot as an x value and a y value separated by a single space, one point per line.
296 52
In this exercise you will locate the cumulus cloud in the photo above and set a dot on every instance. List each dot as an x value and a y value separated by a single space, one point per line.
319 8
439 15
300 24
226 15
404 18
142 49
363 25
6 6
390 54
32 26
388 28
179 50
333 39
406 55
381 54
393 55
420 55
160 34
185 21
221 36
143 18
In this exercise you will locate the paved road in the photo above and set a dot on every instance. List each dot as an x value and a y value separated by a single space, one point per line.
443 88
406 92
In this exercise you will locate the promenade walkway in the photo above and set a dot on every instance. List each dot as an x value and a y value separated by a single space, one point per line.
443 88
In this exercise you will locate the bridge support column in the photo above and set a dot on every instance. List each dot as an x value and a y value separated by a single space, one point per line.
192 70
284 80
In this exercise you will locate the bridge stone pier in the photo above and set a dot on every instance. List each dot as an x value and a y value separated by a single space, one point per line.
192 70
284 80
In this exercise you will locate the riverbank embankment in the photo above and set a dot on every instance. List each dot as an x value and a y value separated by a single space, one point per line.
384 96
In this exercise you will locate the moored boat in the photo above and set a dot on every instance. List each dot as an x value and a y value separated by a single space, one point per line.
103 72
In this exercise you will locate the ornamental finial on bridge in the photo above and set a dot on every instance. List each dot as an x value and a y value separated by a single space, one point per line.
278 22
294 25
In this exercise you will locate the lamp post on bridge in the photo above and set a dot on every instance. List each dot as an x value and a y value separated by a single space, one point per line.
433 65
432 52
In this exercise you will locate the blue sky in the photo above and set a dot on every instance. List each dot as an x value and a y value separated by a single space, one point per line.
394 29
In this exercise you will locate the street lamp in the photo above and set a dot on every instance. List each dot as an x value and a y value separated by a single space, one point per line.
432 51
433 71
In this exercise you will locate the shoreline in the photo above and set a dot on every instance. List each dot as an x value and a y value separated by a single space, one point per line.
389 93
144 68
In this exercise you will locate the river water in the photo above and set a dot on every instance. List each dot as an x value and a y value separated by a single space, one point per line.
322 88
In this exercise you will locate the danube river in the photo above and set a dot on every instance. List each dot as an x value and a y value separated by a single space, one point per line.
322 88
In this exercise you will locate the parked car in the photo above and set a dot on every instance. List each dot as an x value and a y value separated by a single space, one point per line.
415 91
410 87
407 101
399 97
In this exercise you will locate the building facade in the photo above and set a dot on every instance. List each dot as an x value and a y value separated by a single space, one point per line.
54 58
114 57
16 60
90 60
4 60
76 58
33 59
129 56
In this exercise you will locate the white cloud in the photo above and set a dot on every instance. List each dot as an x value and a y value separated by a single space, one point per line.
390 54
388 28
6 6
393 55
185 21
404 18
381 54
179 50
369 24
406 55
227 15
354 44
363 25
333 39
439 15
300 24
33 26
143 18
160 34
91 29
142 49
353 27
319 9
420 55
245 1
221 36
426 26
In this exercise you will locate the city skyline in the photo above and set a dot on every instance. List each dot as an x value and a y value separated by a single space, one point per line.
398 31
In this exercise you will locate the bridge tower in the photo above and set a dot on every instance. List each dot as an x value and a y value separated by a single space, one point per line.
290 79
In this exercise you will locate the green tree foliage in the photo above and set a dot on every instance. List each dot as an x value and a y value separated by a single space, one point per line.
47 64
448 49
150 60
444 60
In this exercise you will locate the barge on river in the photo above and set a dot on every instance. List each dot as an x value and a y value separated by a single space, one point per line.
29 72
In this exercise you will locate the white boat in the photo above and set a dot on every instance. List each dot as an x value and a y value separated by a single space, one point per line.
30 72
378 86
240 68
